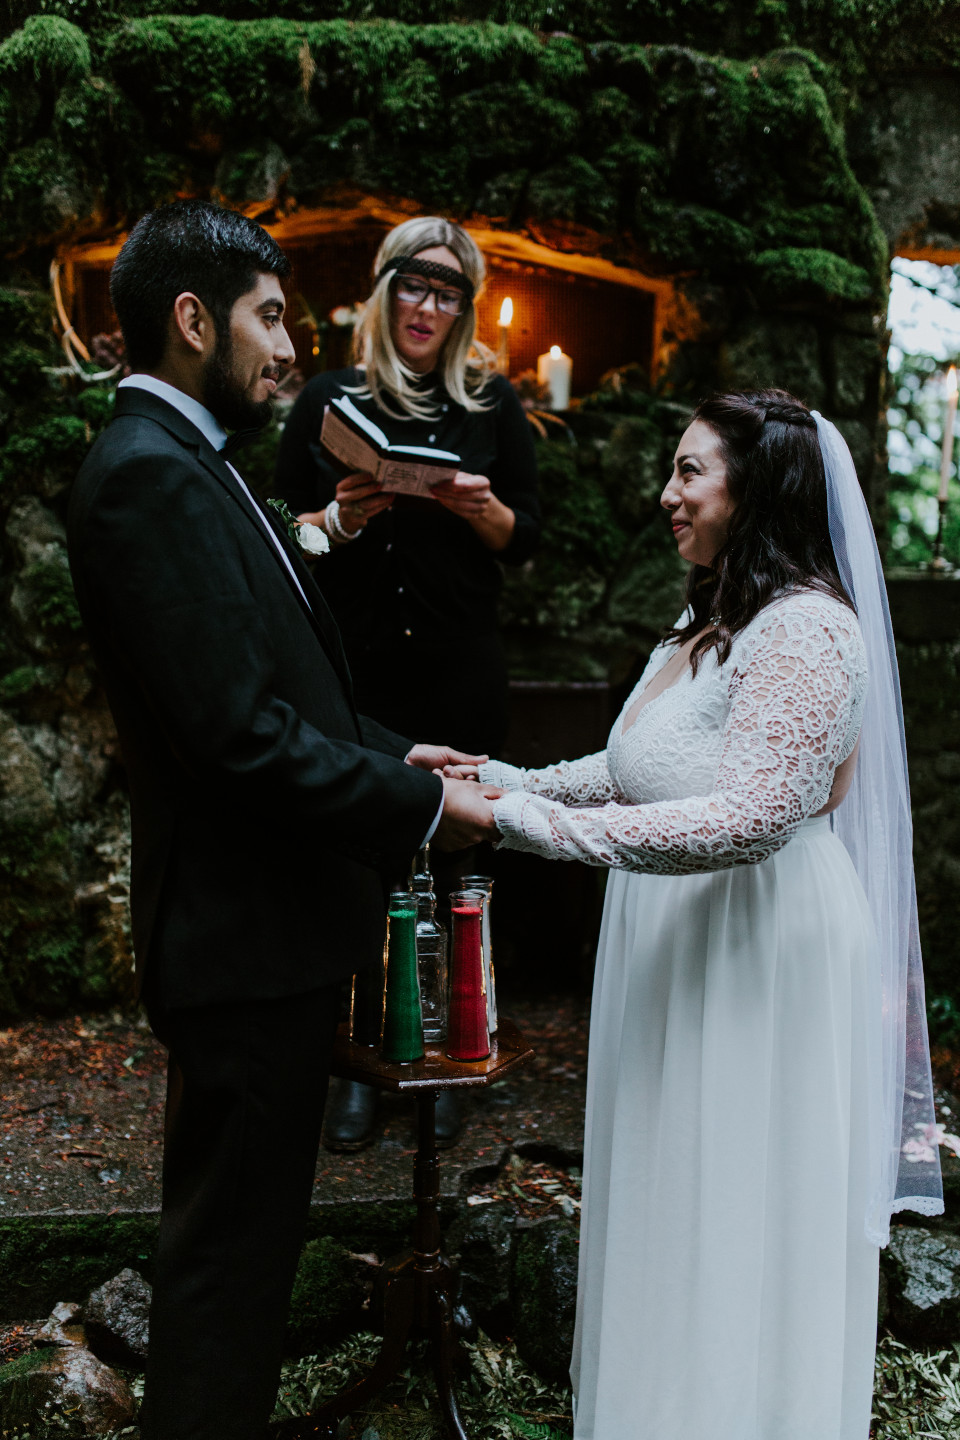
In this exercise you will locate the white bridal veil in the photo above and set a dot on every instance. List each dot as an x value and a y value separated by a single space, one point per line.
875 825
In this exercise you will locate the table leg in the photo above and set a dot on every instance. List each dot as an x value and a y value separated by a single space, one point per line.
434 1272
399 1295
418 1294
443 1344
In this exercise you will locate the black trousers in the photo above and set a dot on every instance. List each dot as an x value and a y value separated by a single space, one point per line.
246 1089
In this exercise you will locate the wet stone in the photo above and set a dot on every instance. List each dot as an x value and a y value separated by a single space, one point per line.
544 1297
923 1274
117 1318
65 1392
481 1241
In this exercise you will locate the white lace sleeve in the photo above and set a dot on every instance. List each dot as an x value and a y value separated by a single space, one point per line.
572 782
796 689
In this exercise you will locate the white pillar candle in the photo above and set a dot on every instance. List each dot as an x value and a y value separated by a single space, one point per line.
946 455
554 370
503 337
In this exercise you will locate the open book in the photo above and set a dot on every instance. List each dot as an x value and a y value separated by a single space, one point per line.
356 442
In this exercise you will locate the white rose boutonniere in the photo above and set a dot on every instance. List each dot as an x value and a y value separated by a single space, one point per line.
309 538
312 539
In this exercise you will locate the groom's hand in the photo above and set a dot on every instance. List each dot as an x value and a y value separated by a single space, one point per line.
435 757
467 815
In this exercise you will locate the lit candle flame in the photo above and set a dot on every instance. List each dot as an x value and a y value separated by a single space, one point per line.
506 311
555 352
952 380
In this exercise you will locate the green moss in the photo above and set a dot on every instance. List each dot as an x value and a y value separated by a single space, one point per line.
54 442
325 1296
790 270
860 36
48 50
709 162
52 596
63 1257
17 683
44 1259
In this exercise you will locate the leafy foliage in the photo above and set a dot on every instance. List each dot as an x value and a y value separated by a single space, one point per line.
915 418
916 1393
500 1399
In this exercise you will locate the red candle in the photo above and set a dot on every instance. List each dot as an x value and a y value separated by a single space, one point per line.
467 1035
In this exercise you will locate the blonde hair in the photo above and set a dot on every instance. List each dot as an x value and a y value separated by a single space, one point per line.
464 365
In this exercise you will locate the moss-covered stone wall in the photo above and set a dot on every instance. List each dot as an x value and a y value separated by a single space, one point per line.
861 37
693 141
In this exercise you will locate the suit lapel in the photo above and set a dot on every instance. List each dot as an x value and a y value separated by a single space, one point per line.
141 402
315 606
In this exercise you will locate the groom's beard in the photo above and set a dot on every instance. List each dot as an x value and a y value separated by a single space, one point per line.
225 395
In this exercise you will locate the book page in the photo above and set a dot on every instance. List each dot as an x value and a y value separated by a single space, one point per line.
343 442
412 479
345 405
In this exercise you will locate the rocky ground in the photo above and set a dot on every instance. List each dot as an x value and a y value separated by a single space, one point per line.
82 1106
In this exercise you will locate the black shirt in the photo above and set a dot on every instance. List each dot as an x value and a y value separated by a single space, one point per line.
417 572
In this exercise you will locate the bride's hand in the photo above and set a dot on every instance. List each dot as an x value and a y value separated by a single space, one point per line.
439 757
462 772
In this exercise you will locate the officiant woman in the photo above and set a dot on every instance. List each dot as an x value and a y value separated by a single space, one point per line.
414 582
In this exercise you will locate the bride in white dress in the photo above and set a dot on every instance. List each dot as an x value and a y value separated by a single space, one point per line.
736 1131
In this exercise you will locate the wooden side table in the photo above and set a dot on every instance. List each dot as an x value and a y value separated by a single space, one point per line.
418 1285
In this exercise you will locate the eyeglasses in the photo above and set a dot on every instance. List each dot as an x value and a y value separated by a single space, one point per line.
413 291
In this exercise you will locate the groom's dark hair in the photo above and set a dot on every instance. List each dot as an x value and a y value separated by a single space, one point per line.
192 245
779 534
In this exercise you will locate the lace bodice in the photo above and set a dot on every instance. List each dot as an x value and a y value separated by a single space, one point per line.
720 768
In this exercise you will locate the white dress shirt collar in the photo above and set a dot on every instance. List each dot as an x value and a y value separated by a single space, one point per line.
206 422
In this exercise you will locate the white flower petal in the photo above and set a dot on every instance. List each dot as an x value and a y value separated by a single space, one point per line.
312 539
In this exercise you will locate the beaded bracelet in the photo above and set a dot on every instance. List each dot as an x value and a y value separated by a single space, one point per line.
334 526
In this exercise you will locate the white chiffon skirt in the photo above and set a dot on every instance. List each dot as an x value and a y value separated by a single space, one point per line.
727 1289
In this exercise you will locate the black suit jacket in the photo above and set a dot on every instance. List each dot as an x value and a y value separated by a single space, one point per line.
262 805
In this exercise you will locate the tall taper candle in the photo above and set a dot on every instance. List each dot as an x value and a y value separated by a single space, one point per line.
402 1019
946 454
503 337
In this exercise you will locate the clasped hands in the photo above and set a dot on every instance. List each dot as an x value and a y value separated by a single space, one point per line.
467 816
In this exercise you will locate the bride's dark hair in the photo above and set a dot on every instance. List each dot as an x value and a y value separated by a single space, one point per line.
779 535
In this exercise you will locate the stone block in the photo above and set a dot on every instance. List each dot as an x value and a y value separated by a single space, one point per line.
25 800
63 1391
862 445
923 1274
544 1296
117 1317
775 350
481 1240
856 362
635 469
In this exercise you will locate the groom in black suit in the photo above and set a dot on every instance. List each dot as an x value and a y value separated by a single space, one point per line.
265 811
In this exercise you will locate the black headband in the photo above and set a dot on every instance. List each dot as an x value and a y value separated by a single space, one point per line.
430 270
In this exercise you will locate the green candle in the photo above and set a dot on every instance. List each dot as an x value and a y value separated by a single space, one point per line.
402 1019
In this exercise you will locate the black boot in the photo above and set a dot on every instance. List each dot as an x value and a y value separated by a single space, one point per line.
351 1117
449 1119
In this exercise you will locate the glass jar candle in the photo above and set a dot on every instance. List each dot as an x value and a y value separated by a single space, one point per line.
468 1037
431 960
485 883
402 1018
